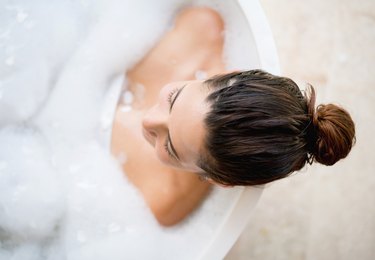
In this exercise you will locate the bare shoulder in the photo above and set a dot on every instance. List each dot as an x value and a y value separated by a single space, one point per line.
202 20
172 203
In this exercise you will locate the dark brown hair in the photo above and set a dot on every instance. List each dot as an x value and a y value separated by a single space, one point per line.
261 128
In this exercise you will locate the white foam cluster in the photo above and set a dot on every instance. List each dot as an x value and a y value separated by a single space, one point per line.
22 252
35 39
62 195
31 201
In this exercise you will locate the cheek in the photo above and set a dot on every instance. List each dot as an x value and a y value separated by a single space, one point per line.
163 93
165 159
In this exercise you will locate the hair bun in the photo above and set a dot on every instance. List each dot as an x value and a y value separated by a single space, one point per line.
335 134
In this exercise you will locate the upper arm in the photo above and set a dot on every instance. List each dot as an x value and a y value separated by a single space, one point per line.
172 201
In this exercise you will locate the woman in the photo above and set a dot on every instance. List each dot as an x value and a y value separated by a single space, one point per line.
241 128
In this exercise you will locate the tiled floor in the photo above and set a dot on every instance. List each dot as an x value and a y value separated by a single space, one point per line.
323 212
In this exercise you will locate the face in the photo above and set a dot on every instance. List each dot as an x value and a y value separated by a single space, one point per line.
175 125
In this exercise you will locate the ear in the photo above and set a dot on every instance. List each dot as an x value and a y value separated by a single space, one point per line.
219 184
230 71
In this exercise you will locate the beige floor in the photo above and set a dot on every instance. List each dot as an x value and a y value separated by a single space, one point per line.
323 212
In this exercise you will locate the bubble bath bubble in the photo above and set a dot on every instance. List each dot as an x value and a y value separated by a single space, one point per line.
62 195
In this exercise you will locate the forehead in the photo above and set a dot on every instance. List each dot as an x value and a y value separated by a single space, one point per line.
187 129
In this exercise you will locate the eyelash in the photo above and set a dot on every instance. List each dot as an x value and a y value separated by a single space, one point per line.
167 150
170 95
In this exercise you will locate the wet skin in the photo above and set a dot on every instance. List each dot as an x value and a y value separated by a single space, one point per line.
167 178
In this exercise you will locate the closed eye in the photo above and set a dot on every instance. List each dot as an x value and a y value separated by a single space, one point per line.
169 148
170 95
173 98
168 143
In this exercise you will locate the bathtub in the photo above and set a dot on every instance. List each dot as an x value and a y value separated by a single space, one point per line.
265 57
70 223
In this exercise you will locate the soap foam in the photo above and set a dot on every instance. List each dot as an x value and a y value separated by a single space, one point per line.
62 195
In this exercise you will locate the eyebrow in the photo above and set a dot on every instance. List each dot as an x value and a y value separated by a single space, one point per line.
170 109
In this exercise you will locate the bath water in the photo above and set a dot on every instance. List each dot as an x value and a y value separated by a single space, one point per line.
62 195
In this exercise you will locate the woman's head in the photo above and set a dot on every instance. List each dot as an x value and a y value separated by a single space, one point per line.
261 128
245 128
174 126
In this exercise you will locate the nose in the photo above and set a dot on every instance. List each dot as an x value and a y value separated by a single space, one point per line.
155 123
